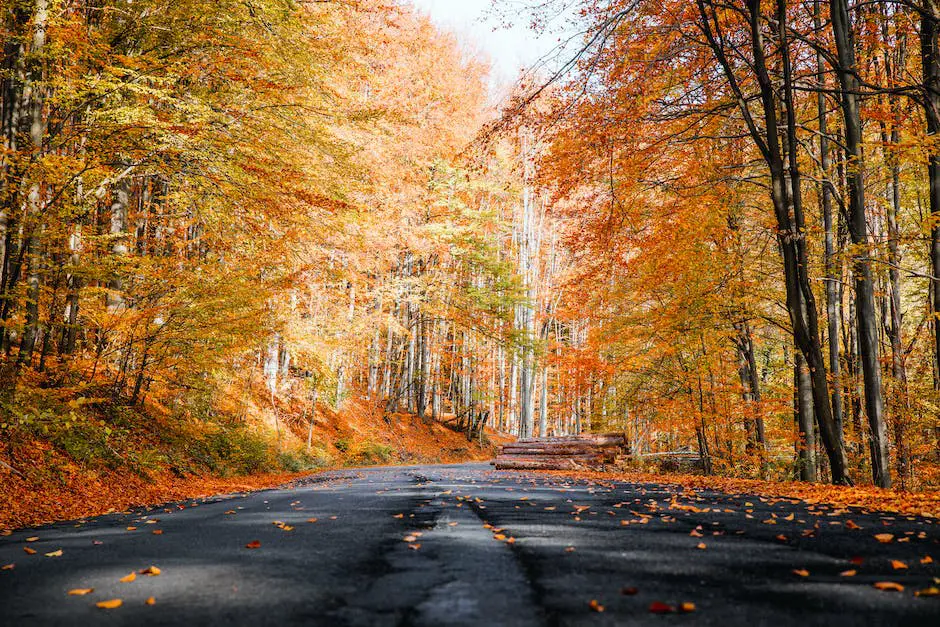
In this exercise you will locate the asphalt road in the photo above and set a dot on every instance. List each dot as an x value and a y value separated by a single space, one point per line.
465 545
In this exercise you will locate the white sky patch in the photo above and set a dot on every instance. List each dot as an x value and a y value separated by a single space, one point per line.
510 48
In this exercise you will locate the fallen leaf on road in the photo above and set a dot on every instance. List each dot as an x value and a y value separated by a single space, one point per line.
132 528
150 571
414 547
802 572
32 538
928 592
926 560
569 549
889 586
595 606
29 551
858 561
848 573
782 538
230 512
409 538
849 524
700 545
884 538
311 520
110 604
8 567
898 565
151 601
254 544
78 592
56 553
687 607
129 578
398 516
157 532
657 607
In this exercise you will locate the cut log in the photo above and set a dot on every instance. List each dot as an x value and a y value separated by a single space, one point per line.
555 464
561 452
558 449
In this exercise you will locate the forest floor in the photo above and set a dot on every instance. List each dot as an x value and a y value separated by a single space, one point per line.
925 504
61 465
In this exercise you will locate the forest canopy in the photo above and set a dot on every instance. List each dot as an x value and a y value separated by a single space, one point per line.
716 230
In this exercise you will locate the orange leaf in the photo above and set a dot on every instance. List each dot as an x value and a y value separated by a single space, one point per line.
151 601
884 538
889 585
848 573
311 520
254 544
898 565
150 571
129 578
29 551
110 604
928 592
32 538
700 545
157 532
8 567
595 606
851 525
78 592
926 560
687 607
802 572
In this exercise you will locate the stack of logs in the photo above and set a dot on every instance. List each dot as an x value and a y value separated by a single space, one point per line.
587 451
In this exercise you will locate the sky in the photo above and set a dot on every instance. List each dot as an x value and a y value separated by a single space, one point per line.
476 22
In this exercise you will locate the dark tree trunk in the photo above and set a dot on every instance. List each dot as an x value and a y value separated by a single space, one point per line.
858 223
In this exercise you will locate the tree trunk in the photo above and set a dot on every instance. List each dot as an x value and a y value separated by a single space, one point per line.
858 225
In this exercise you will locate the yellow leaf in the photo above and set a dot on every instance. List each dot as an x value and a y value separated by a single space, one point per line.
150 571
129 578
132 528
8 567
110 604
78 592
884 538
32 538
56 553
928 592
